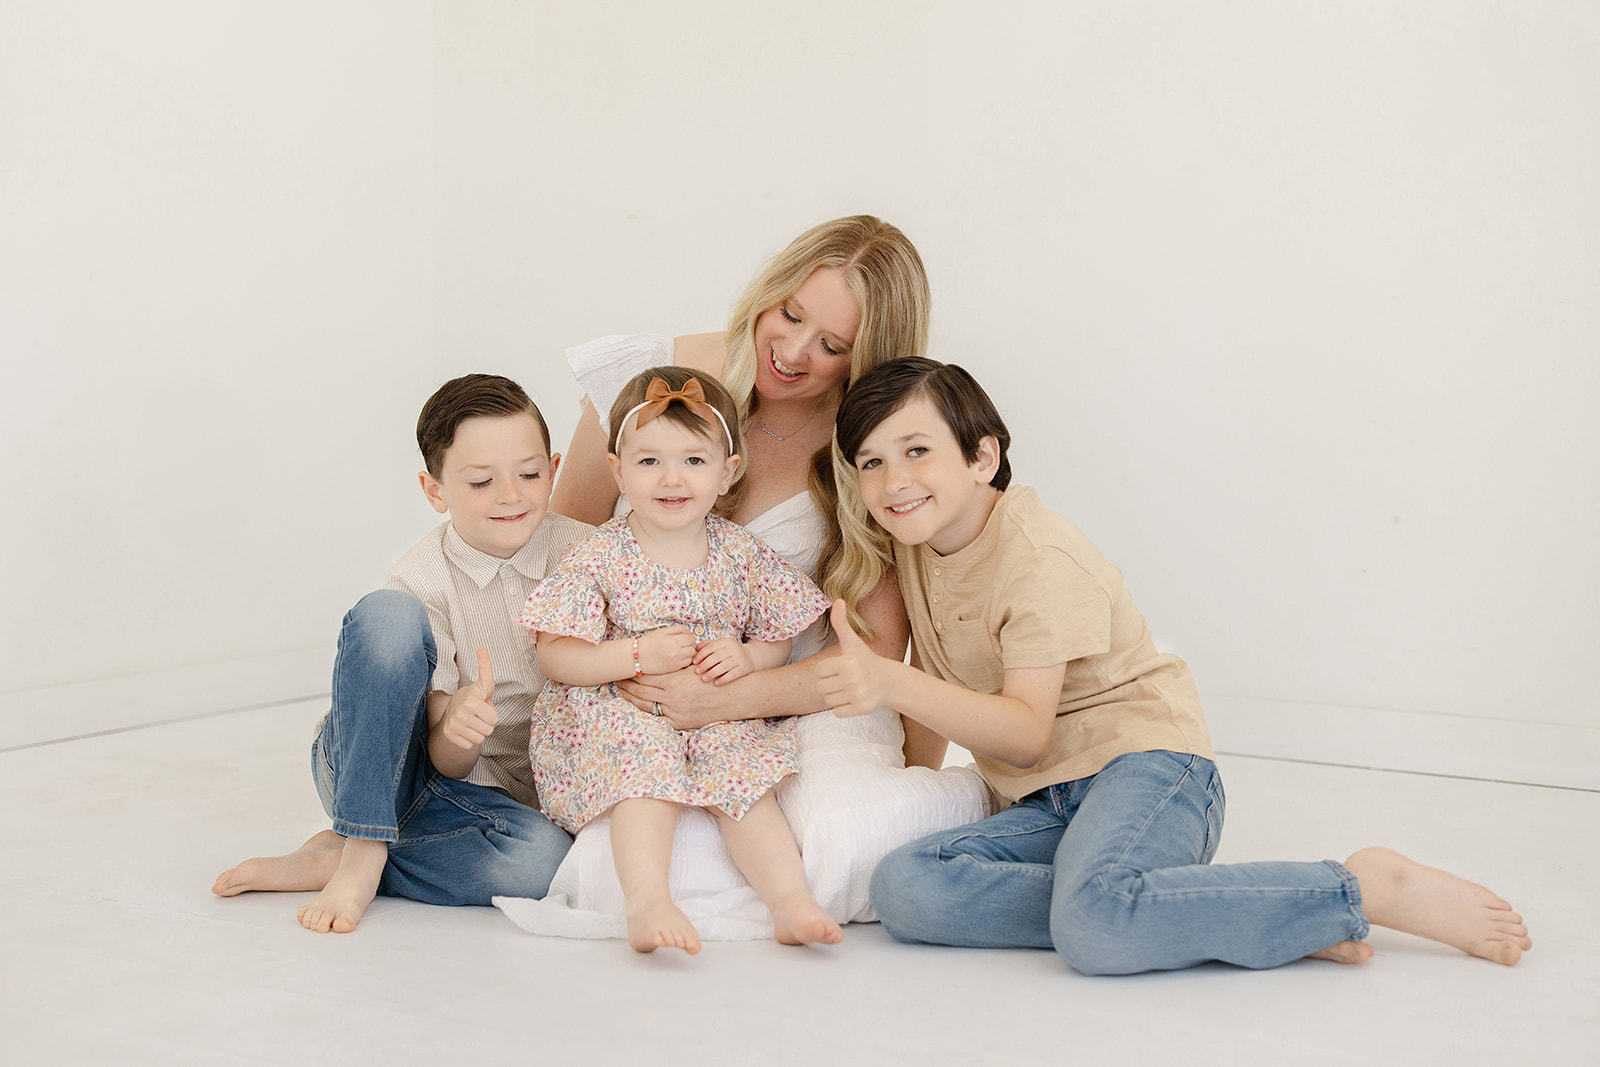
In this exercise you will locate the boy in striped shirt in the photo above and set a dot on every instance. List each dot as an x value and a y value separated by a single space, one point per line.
422 761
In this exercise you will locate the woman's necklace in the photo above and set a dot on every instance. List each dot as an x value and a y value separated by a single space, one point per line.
791 433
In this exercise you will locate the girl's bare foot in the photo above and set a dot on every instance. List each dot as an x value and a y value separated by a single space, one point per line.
1345 952
656 923
304 870
340 905
799 920
1404 895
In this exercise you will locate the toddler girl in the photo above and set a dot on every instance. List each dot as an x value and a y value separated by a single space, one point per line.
1033 657
667 586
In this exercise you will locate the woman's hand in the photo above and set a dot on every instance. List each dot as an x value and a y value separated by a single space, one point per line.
686 700
857 680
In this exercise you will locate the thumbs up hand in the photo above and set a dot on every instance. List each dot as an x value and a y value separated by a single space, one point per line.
856 681
470 716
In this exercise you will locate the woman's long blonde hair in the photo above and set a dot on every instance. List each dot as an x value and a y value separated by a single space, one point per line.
883 272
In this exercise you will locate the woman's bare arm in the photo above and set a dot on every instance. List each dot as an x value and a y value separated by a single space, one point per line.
789 690
586 491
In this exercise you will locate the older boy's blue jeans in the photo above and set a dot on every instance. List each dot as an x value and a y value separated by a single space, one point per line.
450 842
1113 872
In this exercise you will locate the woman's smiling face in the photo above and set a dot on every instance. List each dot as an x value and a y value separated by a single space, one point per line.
804 345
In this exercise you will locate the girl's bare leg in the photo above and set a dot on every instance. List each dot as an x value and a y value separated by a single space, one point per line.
764 850
1404 895
354 884
641 845
305 870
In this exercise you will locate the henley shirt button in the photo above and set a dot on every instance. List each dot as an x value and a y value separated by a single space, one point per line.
938 572
936 598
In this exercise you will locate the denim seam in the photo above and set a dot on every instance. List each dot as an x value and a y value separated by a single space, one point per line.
359 832
436 785
1138 835
436 837
1353 890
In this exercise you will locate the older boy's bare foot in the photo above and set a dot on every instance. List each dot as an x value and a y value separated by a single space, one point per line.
304 870
799 920
1404 895
657 923
340 905
1345 952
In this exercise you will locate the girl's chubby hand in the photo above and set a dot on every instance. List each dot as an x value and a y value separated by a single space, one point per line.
470 716
723 660
856 681
668 649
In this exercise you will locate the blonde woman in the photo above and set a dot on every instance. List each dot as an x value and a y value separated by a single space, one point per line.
842 298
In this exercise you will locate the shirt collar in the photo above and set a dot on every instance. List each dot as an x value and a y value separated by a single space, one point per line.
984 543
482 567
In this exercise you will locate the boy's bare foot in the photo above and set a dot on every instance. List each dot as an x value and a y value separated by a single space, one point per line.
1404 895
799 920
353 886
1345 952
304 870
657 923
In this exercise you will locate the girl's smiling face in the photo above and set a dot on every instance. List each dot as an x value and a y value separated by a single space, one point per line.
671 476
917 484
804 345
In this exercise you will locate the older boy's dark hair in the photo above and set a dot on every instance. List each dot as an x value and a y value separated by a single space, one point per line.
955 394
676 378
470 396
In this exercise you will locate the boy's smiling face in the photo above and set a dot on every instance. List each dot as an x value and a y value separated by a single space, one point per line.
918 485
495 482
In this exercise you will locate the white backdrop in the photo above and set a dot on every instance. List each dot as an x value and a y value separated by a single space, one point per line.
1295 308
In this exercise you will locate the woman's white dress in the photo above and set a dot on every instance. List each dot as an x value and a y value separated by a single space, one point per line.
852 802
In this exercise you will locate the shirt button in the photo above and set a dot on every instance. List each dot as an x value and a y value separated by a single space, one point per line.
690 582
938 572
936 598
938 626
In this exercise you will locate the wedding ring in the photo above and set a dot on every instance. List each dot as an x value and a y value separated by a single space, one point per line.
655 708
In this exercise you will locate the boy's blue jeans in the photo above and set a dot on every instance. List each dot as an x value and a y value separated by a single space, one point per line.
1113 872
450 842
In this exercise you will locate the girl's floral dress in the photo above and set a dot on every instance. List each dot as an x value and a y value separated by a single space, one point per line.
591 748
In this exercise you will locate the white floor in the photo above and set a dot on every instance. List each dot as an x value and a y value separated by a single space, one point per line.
116 952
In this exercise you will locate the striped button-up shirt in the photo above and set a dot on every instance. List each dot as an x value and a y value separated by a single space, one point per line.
473 600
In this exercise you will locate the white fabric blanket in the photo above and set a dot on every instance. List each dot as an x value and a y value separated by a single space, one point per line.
851 804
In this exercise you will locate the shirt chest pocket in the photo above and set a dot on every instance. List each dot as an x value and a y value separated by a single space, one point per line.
971 653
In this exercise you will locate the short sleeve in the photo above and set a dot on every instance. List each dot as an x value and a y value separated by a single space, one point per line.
603 366
782 600
570 602
1052 611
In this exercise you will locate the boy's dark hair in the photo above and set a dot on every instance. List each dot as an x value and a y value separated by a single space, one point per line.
470 396
676 378
955 394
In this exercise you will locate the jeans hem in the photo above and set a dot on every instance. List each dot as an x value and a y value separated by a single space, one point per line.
365 833
1352 889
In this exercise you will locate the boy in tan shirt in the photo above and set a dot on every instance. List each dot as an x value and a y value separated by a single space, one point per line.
1034 658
